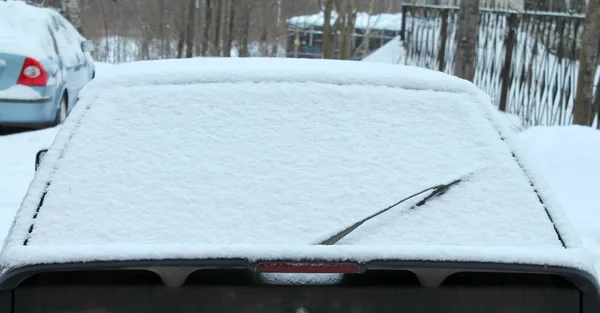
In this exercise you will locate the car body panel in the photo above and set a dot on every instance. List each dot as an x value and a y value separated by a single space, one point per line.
28 106
546 228
10 69
214 112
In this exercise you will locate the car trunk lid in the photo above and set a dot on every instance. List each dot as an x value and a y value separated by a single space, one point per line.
10 68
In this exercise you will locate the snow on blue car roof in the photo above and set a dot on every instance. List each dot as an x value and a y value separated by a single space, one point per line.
254 158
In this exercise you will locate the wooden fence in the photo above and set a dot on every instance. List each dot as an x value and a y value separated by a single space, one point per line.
527 62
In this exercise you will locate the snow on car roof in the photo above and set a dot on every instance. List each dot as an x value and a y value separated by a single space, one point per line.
24 29
266 157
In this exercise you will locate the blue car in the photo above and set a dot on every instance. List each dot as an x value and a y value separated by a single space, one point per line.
44 63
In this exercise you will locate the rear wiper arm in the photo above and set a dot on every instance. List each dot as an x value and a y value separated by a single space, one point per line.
437 191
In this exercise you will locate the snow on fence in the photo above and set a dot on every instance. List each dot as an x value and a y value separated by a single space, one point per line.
527 62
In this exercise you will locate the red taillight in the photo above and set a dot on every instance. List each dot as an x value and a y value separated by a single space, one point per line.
33 74
323 268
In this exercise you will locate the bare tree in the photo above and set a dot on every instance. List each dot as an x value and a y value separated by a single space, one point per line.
328 37
105 24
161 26
346 20
217 14
597 103
363 49
466 37
149 29
71 9
191 26
207 27
231 16
278 27
248 7
588 62
182 29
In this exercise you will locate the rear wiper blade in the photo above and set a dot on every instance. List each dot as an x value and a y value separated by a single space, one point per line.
438 190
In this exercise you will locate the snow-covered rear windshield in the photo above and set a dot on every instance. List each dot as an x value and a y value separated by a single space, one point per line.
286 163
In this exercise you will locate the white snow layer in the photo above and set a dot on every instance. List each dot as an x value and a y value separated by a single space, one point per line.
392 52
568 159
275 155
23 30
20 92
383 21
17 160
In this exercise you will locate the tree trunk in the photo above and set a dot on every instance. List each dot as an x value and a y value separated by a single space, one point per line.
244 49
230 28
328 45
217 19
588 62
106 39
224 26
72 12
348 14
161 27
597 103
466 45
207 26
264 43
363 49
181 43
191 26
278 28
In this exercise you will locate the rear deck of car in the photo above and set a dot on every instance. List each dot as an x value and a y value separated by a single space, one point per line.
262 159
279 160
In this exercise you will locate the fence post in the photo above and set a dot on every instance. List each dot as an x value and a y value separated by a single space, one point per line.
509 45
403 30
443 39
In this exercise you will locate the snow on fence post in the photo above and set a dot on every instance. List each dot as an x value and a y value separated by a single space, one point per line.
510 41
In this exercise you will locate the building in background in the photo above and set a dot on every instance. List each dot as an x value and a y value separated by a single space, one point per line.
305 34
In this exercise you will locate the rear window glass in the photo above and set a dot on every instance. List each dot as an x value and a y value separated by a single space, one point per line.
206 163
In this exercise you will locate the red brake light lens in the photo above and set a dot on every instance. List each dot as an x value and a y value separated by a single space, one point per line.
33 74
320 268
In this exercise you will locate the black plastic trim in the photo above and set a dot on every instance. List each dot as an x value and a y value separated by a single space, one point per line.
556 230
39 100
584 281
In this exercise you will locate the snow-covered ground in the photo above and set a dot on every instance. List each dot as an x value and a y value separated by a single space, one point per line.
17 159
391 52
17 162
568 157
